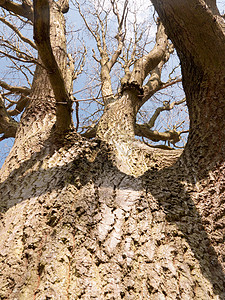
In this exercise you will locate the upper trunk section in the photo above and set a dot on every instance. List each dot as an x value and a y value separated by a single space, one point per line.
117 122
206 103
198 33
117 128
36 125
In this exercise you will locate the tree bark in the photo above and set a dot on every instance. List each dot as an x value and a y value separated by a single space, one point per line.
38 121
112 218
203 73
76 227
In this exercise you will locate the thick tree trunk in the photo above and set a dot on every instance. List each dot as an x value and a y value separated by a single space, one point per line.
77 227
112 218
83 229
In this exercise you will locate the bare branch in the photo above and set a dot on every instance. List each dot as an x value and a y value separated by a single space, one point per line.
170 83
18 9
15 89
94 56
147 63
24 60
95 33
154 83
15 48
16 30
142 130
120 35
103 32
166 106
20 69
80 66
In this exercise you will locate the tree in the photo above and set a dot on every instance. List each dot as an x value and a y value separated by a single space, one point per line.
127 45
112 218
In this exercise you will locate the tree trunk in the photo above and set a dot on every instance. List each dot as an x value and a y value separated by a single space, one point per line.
112 218
77 227
38 120
83 229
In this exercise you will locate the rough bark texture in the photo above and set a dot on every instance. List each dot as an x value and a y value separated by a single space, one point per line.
82 229
57 79
112 218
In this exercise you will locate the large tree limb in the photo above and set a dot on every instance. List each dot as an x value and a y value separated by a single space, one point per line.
147 63
181 18
154 83
143 130
42 38
18 9
8 126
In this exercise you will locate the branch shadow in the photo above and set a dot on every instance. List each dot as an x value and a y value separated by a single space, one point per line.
165 185
176 200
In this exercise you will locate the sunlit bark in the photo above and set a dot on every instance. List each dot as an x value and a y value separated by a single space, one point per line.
112 218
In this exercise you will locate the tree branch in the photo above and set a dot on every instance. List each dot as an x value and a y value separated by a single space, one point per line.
147 63
15 89
156 136
8 126
23 59
154 83
166 106
120 35
42 38
80 66
16 30
144 131
18 9
95 34
183 18
20 105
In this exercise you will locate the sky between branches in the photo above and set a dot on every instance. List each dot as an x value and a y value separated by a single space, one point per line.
141 12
